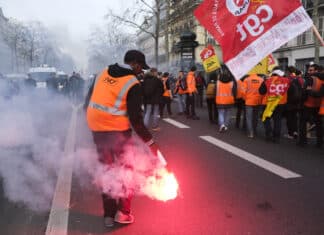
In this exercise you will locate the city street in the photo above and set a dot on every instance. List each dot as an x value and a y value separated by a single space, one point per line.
245 186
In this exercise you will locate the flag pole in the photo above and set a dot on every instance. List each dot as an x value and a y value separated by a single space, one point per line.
317 34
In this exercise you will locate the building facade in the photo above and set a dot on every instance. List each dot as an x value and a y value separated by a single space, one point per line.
176 19
180 18
301 50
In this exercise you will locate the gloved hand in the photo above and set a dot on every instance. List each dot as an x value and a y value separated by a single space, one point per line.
160 161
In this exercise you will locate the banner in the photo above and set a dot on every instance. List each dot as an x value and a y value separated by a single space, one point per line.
271 63
209 58
249 30
265 66
261 67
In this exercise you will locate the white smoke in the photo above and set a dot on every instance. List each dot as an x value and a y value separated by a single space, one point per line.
33 124
127 176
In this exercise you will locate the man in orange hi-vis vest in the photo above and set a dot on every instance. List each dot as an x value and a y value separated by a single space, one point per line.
114 106
191 92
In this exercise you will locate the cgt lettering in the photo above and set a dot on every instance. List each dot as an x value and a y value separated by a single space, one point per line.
253 24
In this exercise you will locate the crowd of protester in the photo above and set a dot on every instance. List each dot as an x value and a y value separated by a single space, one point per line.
261 103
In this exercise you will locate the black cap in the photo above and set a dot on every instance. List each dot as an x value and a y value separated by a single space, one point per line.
136 56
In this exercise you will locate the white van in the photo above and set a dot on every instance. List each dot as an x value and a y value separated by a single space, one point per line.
42 75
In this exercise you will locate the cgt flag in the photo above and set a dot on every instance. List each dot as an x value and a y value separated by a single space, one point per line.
209 58
249 30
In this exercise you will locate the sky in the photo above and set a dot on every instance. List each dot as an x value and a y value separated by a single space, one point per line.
71 20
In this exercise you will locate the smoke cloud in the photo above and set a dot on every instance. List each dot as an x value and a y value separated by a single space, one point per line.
127 176
33 124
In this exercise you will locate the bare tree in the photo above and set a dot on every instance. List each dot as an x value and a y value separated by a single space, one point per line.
144 17
13 35
106 46
31 45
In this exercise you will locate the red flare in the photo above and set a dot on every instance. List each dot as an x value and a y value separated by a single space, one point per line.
162 186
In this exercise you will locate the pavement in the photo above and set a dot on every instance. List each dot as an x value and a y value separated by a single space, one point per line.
229 185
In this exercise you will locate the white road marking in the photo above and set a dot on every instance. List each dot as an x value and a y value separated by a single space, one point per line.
275 169
175 123
59 214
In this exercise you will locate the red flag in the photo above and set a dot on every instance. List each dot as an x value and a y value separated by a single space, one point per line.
249 30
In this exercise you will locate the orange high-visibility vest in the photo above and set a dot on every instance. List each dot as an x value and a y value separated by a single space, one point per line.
252 85
107 110
240 90
321 111
178 87
166 92
264 99
224 93
314 102
191 82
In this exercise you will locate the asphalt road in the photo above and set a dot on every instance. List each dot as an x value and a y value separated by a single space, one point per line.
221 193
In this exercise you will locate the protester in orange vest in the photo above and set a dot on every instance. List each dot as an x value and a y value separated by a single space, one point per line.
318 94
226 90
210 98
240 104
275 88
311 106
252 102
191 92
114 106
167 95
180 90
321 111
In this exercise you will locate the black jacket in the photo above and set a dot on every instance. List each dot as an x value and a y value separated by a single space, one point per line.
134 102
152 89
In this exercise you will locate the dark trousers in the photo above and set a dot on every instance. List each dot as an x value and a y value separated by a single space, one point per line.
273 132
292 120
307 115
240 108
252 118
110 146
190 105
200 97
165 101
212 110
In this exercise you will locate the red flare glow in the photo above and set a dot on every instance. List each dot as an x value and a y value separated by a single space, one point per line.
162 186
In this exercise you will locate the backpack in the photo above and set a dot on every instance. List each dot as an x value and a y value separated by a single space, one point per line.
295 92
183 83
211 90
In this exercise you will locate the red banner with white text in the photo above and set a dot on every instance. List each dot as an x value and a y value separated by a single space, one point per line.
249 30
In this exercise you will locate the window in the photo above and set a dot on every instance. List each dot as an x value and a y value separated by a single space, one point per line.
283 63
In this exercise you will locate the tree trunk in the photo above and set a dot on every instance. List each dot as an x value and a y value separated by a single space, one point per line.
167 55
157 32
316 23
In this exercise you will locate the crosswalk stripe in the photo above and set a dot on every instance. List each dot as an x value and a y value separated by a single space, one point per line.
275 169
175 123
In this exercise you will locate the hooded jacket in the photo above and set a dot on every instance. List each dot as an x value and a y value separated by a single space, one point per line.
152 89
134 101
